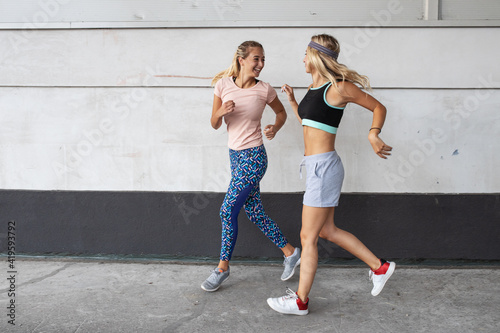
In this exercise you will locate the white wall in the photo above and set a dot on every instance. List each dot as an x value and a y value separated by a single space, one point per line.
42 14
129 109
189 13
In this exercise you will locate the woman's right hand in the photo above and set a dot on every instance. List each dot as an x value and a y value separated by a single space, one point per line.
289 93
226 108
291 99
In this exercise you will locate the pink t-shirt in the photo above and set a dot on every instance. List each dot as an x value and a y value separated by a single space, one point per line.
243 124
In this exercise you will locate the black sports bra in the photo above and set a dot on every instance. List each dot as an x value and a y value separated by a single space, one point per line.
316 112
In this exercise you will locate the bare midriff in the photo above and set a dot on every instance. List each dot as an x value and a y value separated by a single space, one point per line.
317 141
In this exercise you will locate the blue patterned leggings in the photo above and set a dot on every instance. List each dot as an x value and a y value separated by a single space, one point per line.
248 166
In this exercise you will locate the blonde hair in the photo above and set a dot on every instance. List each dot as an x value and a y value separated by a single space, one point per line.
329 68
242 52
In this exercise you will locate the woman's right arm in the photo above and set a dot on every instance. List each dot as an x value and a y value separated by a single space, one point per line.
219 110
291 99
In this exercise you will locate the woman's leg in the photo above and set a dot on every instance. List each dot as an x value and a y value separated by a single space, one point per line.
233 202
255 213
381 270
348 242
313 220
236 195
255 160
239 188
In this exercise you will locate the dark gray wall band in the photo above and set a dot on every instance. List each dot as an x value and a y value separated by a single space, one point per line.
410 226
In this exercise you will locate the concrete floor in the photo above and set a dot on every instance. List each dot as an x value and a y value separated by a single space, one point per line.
67 295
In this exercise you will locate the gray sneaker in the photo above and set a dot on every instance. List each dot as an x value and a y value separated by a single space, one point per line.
215 280
290 263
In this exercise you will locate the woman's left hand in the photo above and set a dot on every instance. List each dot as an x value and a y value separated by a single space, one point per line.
269 132
379 146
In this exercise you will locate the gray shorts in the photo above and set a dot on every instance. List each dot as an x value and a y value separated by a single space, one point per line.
325 174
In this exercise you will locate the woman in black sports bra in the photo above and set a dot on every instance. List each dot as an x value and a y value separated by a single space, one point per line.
320 112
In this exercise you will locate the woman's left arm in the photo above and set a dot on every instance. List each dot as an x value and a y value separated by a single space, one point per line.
356 95
278 108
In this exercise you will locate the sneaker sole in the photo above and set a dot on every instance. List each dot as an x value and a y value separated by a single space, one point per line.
293 271
215 289
391 270
298 313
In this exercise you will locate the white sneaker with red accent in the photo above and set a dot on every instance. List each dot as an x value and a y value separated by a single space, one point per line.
289 304
381 275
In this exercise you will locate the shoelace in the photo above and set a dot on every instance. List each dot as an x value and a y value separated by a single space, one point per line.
215 275
216 271
371 275
290 293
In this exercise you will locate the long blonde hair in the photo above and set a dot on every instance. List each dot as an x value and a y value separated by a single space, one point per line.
329 68
242 52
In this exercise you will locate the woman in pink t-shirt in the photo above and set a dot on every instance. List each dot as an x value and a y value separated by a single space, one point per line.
239 100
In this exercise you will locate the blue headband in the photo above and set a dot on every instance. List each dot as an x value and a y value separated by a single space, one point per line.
323 49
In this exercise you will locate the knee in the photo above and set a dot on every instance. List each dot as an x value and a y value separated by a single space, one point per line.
323 234
329 233
334 235
308 239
